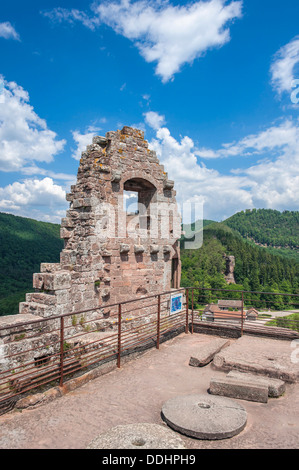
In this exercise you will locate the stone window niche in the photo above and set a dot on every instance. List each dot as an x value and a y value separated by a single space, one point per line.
138 194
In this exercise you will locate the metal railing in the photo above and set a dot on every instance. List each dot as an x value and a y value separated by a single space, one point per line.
48 352
258 312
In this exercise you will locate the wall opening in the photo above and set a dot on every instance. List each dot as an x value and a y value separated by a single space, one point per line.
138 194
175 273
130 199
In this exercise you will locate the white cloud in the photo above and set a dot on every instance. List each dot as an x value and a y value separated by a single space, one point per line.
220 195
24 136
71 16
154 120
168 35
82 140
275 181
7 31
171 35
269 183
282 68
40 199
35 170
275 138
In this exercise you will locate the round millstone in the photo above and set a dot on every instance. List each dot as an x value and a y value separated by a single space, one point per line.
205 417
138 436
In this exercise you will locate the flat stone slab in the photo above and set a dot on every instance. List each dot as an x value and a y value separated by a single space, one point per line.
9 324
138 436
276 387
242 389
206 352
262 356
205 417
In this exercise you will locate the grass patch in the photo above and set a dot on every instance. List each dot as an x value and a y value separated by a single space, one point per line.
290 321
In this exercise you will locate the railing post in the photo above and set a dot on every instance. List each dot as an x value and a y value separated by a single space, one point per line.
61 350
192 330
242 314
187 311
158 321
119 336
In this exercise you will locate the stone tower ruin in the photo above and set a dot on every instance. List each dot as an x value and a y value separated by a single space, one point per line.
110 254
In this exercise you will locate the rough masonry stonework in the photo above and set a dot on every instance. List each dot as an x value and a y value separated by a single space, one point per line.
109 254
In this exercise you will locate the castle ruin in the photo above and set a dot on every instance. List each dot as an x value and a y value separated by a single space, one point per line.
112 254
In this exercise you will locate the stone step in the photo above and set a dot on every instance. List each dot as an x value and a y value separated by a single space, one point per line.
34 308
41 298
234 388
206 352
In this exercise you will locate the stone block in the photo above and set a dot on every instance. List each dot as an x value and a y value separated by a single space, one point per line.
99 140
247 355
168 184
65 233
104 168
206 352
82 202
41 298
154 249
34 308
106 253
124 248
105 292
67 222
62 296
38 281
15 324
241 389
49 267
52 281
276 387
69 197
77 203
116 176
138 249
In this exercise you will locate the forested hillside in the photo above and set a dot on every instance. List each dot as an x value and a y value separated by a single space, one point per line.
24 244
269 228
256 268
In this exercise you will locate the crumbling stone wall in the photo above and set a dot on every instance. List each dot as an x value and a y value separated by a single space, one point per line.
110 256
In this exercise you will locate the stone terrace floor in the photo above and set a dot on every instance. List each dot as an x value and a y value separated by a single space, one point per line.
135 394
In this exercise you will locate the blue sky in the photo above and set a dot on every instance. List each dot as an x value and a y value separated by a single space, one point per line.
214 84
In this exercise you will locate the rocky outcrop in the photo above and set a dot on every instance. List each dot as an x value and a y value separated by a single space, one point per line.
229 269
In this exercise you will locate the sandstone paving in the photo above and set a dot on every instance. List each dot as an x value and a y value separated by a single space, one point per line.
271 357
135 393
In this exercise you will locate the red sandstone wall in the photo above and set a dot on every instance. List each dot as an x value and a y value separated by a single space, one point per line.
108 257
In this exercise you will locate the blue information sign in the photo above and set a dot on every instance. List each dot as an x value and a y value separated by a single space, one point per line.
176 303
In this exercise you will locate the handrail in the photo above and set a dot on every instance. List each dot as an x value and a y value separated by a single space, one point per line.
70 352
